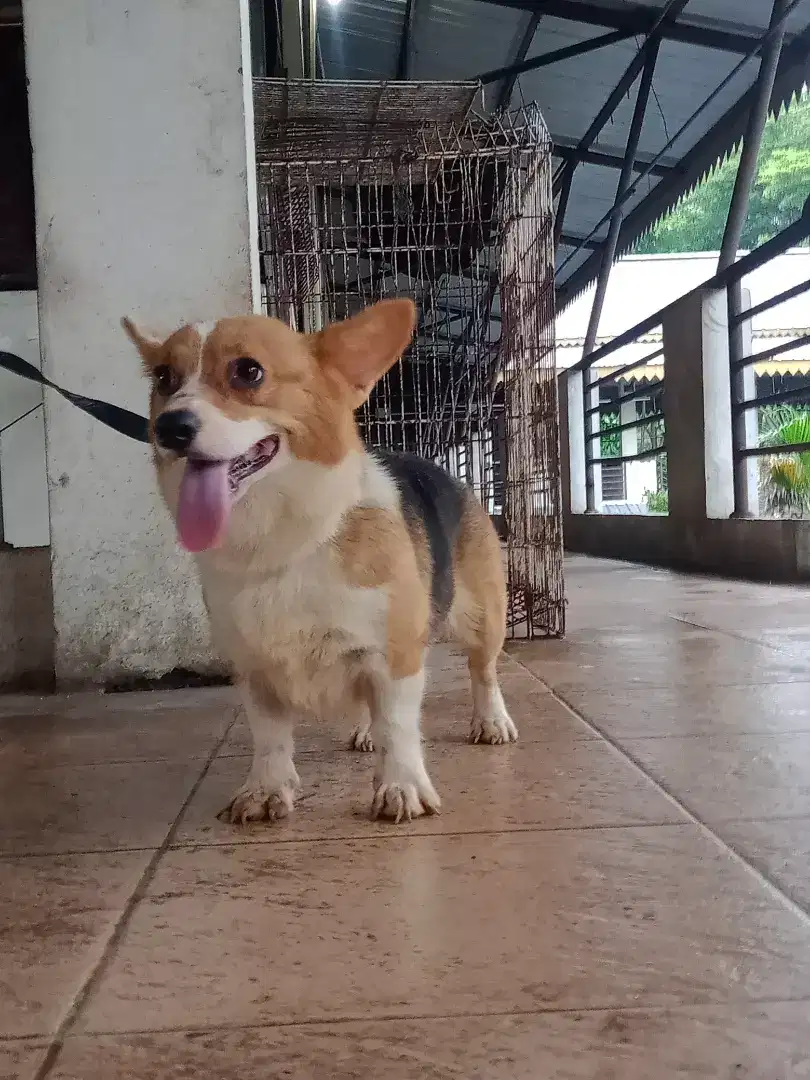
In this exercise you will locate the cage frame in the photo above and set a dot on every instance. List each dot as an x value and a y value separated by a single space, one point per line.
470 193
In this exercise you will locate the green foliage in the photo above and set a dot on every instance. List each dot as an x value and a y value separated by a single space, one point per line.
657 502
785 478
777 196
610 443
652 435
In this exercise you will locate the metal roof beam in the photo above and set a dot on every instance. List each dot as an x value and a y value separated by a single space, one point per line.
608 252
793 70
638 19
735 223
747 168
508 85
608 161
554 57
404 58
570 240
671 10
562 201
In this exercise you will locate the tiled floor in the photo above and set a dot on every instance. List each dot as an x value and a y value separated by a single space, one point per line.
624 895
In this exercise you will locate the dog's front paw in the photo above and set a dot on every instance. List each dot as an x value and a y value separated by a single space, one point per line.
361 739
258 804
404 801
495 730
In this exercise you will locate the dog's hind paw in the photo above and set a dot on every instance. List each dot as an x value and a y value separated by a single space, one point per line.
494 730
257 805
403 802
361 740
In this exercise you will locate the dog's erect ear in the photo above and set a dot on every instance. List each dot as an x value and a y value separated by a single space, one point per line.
148 347
364 347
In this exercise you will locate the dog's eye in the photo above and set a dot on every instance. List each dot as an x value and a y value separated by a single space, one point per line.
167 381
245 374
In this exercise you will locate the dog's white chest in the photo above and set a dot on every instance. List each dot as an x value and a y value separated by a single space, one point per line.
303 619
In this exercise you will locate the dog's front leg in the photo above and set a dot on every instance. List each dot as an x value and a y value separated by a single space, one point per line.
269 791
402 787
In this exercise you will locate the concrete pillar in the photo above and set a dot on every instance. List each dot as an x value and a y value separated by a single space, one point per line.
750 417
573 404
144 169
23 483
697 403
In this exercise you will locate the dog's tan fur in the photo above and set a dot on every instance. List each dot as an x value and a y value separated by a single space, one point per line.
378 551
320 591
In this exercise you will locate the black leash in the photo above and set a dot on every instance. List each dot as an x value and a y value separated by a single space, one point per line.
121 420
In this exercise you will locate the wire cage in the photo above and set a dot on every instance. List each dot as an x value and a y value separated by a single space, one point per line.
404 189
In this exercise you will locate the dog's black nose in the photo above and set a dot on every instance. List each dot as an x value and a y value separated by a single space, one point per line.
175 430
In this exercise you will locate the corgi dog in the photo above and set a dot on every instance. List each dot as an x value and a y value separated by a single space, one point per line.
325 565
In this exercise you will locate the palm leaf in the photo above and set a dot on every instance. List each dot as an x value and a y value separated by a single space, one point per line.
785 478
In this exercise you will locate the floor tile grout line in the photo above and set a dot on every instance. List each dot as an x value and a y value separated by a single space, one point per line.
180 760
770 885
735 734
72 853
802 680
359 838
539 830
304 752
273 838
174 760
684 621
82 995
338 838
393 1018
734 635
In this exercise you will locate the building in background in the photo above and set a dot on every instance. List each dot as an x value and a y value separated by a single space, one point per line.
640 285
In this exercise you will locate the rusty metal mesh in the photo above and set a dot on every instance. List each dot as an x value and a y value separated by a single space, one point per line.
436 202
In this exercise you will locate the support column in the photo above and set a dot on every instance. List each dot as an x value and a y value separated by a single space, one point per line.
144 169
746 472
697 403
746 499
594 486
573 425
292 39
752 140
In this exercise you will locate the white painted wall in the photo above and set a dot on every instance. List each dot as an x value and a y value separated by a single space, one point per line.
23 482
640 477
142 132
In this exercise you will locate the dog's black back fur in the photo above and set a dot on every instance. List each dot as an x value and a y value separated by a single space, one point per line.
431 496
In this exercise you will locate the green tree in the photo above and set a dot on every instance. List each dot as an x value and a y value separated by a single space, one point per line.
777 196
785 478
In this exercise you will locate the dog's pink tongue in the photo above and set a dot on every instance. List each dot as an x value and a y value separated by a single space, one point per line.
203 505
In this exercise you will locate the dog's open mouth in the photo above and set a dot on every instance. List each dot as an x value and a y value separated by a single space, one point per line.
254 459
209 489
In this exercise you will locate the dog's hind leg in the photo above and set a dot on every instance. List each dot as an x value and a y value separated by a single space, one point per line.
360 738
478 621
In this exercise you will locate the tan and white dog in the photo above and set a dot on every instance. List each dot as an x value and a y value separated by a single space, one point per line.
325 565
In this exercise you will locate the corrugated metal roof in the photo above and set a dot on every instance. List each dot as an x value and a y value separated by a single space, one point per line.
461 39
360 38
